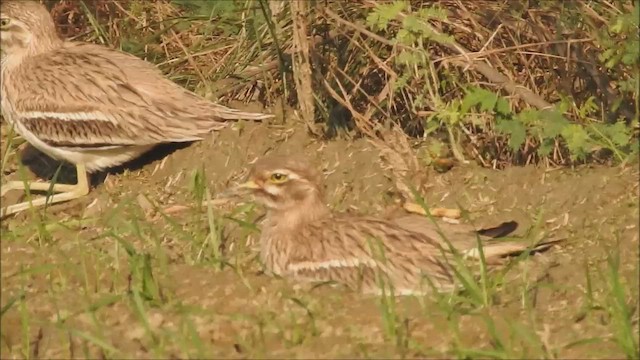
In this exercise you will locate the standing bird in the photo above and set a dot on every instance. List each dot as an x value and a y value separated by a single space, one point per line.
90 105
303 239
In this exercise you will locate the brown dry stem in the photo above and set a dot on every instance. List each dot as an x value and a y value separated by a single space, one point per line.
302 64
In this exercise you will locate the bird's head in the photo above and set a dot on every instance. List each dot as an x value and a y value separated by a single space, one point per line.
26 28
283 184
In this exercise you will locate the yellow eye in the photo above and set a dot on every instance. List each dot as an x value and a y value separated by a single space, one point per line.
278 178
4 22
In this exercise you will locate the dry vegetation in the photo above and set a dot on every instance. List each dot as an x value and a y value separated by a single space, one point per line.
496 83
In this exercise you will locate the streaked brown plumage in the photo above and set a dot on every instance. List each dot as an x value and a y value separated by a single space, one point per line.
304 240
90 105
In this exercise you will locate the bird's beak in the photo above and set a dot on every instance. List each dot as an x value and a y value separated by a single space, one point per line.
251 185
238 190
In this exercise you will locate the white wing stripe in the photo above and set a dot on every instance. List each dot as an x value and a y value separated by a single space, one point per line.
70 116
334 263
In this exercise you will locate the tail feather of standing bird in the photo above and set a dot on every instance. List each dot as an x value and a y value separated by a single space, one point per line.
227 113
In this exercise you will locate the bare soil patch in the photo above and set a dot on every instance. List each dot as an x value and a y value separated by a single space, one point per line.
71 288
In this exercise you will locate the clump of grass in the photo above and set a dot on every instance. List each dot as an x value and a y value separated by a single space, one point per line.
621 313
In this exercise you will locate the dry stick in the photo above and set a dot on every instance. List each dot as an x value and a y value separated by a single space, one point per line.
478 54
189 57
393 77
301 63
268 66
396 159
375 103
400 167
485 69
277 6
435 212
399 153
384 67
524 60
361 121
362 30
464 14
495 76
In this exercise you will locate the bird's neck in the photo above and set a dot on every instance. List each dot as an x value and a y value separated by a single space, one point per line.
44 40
45 45
31 51
282 228
306 212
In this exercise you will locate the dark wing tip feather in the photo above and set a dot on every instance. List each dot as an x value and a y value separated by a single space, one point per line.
501 230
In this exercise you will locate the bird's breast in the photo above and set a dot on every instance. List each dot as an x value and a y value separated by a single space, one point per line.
275 249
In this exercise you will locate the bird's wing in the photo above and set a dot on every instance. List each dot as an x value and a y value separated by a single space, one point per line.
327 248
464 237
89 96
352 251
438 230
461 236
408 252
150 82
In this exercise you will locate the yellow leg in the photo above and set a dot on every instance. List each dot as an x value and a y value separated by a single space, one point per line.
64 192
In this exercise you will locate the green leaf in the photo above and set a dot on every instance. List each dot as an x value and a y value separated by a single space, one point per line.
588 107
469 101
433 12
404 36
531 117
407 57
380 17
479 96
564 105
516 131
402 81
150 289
606 55
618 133
488 101
546 146
502 106
552 123
578 141
131 46
631 51
411 23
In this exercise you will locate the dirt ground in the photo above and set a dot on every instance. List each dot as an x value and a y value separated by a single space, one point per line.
133 269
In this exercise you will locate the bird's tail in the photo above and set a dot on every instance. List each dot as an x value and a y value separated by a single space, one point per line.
216 117
494 251
226 113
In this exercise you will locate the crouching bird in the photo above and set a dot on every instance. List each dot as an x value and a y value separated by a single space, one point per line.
302 239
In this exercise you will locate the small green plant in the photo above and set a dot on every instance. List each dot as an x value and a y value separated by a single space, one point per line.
546 127
575 130
619 310
142 283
